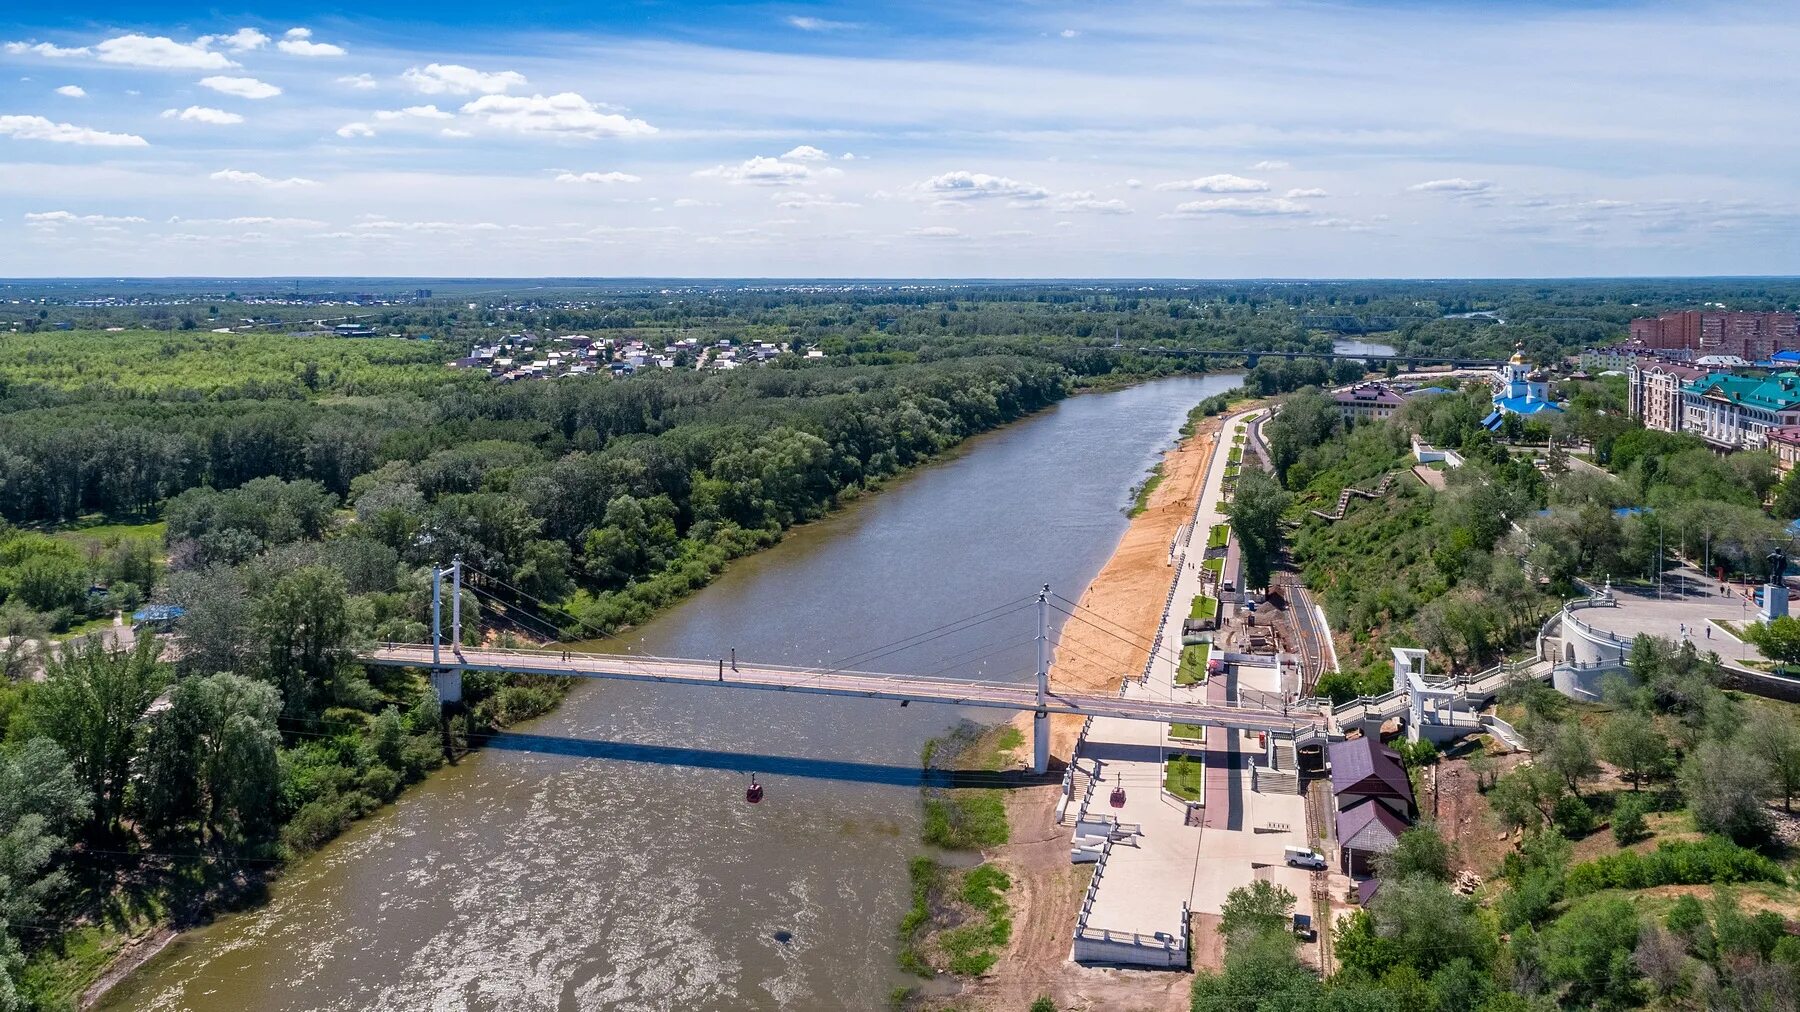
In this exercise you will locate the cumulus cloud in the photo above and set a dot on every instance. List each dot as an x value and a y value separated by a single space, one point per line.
258 220
765 171
1269 166
455 79
566 113
691 202
361 82
1305 193
241 41
800 200
598 177
1223 182
1086 200
45 49
1134 184
240 177
240 87
161 52
414 112
1453 185
453 132
1244 206
807 153
298 42
810 24
1069 33
72 91
936 232
37 128
203 114
349 130
964 185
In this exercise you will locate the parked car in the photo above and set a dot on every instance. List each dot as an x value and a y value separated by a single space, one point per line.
1302 857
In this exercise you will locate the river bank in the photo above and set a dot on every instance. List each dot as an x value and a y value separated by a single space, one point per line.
1121 609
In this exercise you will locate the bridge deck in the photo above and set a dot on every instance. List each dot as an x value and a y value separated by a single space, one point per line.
870 685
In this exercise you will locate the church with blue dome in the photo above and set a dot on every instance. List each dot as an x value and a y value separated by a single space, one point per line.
1519 389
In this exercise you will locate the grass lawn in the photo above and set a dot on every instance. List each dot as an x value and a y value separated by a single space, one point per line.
1216 566
96 529
1186 777
1236 454
1141 501
1203 607
1231 471
1187 732
1218 536
1193 664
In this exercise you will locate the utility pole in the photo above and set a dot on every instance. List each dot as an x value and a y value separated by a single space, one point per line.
1040 725
456 605
437 602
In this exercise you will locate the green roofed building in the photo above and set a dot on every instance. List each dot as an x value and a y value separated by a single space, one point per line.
1737 412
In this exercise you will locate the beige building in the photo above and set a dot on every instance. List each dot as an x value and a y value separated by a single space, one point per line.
1655 393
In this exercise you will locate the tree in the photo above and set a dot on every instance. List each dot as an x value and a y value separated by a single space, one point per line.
1725 788
1429 924
90 704
1778 639
41 801
1787 497
304 625
1569 753
216 621
1255 909
212 755
1776 741
1525 798
1255 513
1421 850
1628 824
1262 973
1307 418
1631 741
1590 950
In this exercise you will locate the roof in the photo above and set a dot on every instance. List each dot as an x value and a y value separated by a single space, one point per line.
1369 393
1425 391
1525 405
1366 890
1355 760
1784 434
1780 392
1369 826
158 613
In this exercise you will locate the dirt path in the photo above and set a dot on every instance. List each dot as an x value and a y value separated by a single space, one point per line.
1127 596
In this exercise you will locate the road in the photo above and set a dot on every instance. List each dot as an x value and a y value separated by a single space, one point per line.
869 685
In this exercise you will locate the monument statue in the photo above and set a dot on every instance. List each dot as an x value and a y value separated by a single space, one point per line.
1778 561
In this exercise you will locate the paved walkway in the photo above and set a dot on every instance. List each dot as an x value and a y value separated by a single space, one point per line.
1242 832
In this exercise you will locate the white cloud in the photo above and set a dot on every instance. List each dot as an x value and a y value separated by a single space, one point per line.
258 179
298 42
565 113
45 49
806 153
241 41
1085 200
691 202
72 91
809 24
49 218
799 199
349 130
203 114
598 177
1269 166
1069 33
455 79
240 87
1245 206
253 220
1133 184
453 132
414 112
37 128
361 82
1455 185
1224 182
160 52
936 232
765 171
964 185
1305 193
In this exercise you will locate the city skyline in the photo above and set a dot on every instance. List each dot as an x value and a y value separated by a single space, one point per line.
784 140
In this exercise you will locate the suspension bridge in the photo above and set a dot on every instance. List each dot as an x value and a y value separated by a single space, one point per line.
446 658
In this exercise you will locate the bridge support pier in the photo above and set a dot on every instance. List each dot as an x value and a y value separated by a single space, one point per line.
1040 742
1040 724
448 684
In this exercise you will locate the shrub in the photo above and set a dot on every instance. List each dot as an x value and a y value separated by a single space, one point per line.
1628 824
1674 862
1573 817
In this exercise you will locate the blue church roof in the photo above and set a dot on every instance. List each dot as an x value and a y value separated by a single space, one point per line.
1524 405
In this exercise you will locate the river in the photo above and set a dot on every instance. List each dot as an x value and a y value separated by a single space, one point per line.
603 857
1351 346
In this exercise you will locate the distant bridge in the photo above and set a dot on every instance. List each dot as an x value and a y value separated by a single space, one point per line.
1252 356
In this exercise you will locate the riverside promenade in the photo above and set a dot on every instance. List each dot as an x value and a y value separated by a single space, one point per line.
1174 856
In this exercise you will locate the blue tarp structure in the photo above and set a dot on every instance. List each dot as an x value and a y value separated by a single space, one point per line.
1492 421
158 613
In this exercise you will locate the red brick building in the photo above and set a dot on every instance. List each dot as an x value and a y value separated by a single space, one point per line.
1751 336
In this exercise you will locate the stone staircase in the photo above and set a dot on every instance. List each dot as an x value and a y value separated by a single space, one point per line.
1343 503
1079 784
1281 778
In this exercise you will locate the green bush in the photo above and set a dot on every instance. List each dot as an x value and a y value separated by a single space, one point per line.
1714 860
1573 817
1628 825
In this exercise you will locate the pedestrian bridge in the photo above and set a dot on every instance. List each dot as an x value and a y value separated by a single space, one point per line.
1302 722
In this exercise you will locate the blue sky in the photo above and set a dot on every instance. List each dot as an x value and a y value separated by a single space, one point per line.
1203 139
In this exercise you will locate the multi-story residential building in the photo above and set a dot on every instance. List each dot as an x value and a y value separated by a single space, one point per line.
1655 392
1751 336
1736 412
1784 442
1366 401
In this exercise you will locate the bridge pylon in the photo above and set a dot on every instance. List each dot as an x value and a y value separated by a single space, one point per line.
446 681
1040 722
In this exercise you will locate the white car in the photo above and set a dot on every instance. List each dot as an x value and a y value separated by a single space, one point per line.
1301 857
